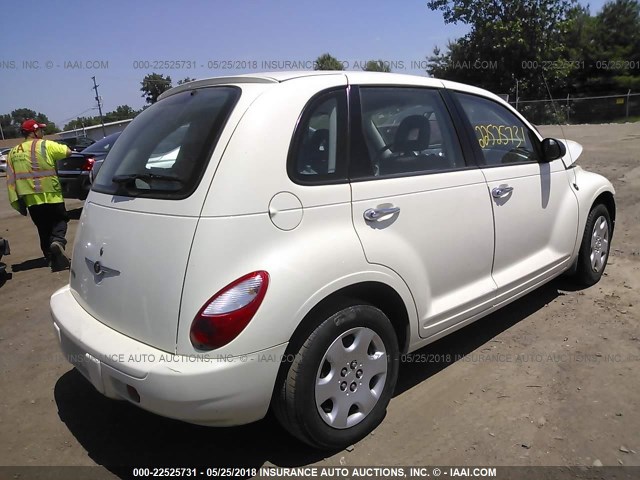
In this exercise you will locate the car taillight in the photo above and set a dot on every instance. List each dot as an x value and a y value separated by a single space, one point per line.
88 164
229 311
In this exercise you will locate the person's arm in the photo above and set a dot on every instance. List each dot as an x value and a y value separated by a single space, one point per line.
57 151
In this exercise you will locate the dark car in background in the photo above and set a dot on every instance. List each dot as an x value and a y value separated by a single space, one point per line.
77 144
74 171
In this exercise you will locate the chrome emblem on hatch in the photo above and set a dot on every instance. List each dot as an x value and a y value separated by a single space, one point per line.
100 271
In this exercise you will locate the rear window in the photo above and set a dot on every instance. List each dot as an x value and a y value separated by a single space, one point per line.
163 153
102 146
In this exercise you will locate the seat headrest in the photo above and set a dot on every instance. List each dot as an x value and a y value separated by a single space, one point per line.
413 134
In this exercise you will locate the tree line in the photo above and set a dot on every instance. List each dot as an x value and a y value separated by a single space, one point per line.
11 122
541 46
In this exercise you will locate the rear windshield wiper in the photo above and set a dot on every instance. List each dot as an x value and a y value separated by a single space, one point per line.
124 179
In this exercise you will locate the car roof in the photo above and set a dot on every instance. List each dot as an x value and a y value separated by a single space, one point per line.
267 77
352 77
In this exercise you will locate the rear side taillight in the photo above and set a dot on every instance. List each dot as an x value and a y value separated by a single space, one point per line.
229 311
88 164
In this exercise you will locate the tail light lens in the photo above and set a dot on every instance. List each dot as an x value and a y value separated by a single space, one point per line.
88 164
229 311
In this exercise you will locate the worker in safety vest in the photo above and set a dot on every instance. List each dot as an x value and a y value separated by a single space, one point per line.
33 183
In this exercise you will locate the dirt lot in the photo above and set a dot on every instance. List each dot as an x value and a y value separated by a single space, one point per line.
553 379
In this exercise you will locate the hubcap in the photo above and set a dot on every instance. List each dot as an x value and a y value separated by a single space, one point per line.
351 377
599 244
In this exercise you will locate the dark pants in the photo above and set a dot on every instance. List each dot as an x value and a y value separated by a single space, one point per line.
51 221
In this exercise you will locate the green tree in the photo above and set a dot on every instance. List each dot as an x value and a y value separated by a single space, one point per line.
8 128
19 115
581 47
377 66
328 62
11 122
618 37
81 122
153 85
122 112
186 80
605 46
508 41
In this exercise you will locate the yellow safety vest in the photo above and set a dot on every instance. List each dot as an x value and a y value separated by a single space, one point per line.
31 172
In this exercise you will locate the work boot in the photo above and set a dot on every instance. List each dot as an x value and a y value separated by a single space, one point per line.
59 260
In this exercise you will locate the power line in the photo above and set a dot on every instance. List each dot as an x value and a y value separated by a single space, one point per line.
64 122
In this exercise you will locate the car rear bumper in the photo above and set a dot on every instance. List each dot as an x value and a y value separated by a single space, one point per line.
201 389
75 186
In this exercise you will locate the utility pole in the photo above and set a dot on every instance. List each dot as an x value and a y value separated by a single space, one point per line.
95 87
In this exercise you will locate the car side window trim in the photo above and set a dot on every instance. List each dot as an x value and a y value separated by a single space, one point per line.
464 129
359 154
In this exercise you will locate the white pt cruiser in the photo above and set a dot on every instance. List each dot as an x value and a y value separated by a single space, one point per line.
279 240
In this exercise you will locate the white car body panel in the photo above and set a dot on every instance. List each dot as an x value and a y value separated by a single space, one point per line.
591 186
413 242
536 225
119 240
261 245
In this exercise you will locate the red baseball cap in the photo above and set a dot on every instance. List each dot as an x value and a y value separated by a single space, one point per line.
31 125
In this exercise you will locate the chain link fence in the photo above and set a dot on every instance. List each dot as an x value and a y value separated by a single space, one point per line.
578 110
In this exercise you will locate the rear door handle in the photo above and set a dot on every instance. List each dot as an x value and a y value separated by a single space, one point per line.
372 214
501 191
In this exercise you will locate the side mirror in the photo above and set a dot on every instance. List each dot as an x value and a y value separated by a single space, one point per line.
552 149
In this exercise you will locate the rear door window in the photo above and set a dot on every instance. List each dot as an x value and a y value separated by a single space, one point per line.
164 152
407 131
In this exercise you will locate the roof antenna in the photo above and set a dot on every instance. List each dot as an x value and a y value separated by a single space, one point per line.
566 140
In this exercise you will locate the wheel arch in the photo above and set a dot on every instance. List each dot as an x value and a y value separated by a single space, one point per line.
375 293
606 198
593 189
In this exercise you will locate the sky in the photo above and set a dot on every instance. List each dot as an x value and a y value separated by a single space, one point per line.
50 50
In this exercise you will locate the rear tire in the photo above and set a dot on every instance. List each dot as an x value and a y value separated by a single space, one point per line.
595 246
341 380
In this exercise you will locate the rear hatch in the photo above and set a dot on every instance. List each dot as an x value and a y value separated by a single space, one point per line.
138 223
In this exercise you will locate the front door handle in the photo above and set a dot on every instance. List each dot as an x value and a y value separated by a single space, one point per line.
501 191
372 214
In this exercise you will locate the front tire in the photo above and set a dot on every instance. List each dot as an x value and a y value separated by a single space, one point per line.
595 246
341 380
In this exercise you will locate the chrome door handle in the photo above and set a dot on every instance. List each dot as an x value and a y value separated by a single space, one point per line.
372 214
501 191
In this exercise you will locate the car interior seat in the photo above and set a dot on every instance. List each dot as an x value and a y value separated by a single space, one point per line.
317 152
412 137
